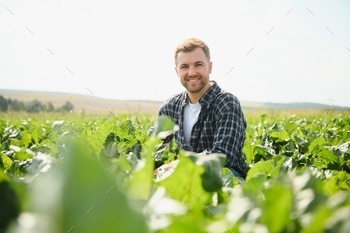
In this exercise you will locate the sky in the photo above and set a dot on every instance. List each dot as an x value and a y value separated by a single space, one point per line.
265 51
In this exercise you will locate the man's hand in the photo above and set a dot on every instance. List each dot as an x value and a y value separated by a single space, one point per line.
165 170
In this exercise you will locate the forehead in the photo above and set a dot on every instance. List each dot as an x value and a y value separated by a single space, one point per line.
197 55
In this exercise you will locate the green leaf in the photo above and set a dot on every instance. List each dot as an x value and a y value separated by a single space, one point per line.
317 144
185 183
277 207
280 136
5 161
164 126
79 195
104 207
339 181
10 204
212 163
269 168
140 183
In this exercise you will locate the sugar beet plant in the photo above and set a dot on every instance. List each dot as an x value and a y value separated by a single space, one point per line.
96 174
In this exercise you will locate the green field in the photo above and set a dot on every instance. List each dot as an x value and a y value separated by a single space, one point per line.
85 173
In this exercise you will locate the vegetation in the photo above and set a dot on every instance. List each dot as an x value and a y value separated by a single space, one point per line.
80 173
34 106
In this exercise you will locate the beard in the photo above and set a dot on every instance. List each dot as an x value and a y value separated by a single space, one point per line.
194 84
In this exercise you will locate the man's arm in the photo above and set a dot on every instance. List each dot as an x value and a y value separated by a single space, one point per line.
229 136
163 112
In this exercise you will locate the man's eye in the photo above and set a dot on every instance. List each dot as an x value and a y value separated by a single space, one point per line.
199 64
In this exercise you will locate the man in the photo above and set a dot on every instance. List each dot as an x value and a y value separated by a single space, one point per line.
210 120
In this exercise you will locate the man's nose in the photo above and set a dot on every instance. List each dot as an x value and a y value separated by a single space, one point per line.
192 71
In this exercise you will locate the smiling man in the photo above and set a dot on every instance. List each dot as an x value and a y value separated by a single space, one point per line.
210 119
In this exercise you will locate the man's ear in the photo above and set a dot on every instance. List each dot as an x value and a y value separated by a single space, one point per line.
210 67
176 71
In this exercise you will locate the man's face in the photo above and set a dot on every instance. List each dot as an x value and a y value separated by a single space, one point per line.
193 69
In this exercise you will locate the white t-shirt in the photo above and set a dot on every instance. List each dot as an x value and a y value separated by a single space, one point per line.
191 113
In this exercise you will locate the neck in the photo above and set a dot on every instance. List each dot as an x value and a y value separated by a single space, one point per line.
195 97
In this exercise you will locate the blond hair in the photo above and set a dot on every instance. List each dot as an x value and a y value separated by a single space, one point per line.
191 44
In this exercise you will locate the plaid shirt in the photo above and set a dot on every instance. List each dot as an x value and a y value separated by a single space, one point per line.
220 127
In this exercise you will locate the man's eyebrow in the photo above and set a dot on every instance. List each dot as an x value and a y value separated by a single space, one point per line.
183 64
186 64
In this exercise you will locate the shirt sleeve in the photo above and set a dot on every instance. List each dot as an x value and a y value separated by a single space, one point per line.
229 134
166 110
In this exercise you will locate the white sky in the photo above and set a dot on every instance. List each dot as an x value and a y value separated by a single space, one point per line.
281 51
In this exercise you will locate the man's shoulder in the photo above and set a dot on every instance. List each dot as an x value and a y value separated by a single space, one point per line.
172 103
225 96
174 99
224 101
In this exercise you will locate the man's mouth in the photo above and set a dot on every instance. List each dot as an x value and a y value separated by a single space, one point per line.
192 79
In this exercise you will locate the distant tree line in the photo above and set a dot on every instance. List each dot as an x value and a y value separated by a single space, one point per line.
32 106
